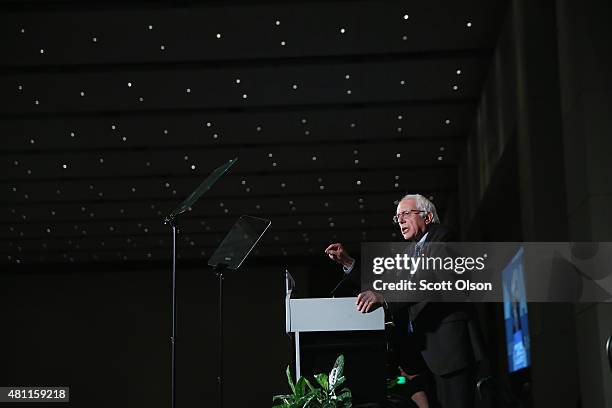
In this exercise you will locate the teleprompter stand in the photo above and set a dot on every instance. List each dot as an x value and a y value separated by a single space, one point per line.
236 246
172 220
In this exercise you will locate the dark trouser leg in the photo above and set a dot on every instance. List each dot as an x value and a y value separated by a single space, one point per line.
457 390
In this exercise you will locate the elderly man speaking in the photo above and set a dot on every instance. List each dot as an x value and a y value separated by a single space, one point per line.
438 340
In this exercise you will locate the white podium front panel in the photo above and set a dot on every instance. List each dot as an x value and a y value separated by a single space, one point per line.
330 314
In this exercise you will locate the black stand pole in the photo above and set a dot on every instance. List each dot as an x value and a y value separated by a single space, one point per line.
173 337
219 272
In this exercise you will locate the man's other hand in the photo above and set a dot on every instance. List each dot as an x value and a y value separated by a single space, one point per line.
337 253
368 301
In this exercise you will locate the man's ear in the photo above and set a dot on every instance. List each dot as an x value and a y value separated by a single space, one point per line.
428 218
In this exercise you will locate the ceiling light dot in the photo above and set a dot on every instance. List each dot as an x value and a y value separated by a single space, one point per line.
244 96
258 128
186 158
243 182
358 182
237 80
64 166
406 16
399 129
404 37
342 31
396 185
215 136
455 87
36 102
82 93
165 131
42 51
140 99
162 47
442 148
129 84
22 31
348 92
294 86
352 125
321 187
307 132
20 87
356 161
150 27
440 158
269 154
113 127
347 76
218 35
188 90
398 155
458 72
31 141
208 124
304 120
447 121
94 39
355 151
193 167
277 22
400 117
468 24
402 82
283 43
124 138
274 164
314 158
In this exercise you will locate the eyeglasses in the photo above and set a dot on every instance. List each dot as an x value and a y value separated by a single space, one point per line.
398 217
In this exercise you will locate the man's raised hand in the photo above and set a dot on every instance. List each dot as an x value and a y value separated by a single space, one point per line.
337 253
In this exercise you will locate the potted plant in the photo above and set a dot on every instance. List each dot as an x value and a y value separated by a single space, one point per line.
328 391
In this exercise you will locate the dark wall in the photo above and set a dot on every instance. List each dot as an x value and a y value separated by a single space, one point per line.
106 335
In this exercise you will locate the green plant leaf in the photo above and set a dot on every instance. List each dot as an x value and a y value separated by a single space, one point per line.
323 381
312 388
339 382
300 387
339 365
290 380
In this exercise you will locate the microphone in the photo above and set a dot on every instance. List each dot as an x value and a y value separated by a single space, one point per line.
346 276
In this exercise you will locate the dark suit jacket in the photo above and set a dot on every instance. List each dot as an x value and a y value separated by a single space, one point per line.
446 334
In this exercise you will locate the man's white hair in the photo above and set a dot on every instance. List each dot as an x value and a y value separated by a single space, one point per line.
424 204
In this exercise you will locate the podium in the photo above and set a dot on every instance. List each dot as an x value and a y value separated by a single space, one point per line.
352 330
